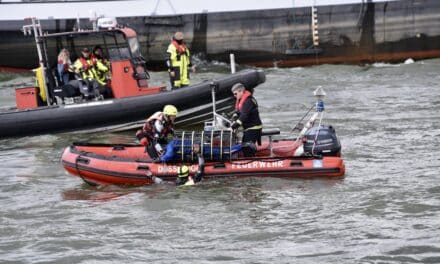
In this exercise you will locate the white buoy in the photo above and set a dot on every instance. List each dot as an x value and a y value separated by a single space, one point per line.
409 61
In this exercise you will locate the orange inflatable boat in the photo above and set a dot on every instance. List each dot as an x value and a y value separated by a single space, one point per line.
105 164
214 152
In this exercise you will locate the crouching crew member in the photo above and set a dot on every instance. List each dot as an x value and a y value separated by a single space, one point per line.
156 130
247 116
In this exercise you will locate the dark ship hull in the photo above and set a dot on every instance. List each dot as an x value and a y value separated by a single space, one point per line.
351 33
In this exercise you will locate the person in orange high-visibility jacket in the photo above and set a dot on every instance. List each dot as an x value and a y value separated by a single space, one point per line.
179 61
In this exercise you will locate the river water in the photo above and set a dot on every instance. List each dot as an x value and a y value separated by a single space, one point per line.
385 210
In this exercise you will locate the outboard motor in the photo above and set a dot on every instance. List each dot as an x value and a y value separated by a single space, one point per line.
326 144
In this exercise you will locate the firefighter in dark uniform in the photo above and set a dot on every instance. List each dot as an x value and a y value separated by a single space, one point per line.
247 115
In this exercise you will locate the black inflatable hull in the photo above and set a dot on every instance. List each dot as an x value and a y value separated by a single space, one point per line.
112 112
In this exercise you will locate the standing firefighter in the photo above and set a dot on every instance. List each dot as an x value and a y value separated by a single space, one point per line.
178 61
247 116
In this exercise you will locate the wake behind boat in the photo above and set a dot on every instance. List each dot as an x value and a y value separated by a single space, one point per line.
316 152
49 107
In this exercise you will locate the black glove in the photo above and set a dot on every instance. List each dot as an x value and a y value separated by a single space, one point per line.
140 134
198 177
234 116
235 125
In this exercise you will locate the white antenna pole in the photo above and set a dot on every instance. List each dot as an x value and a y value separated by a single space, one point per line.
93 18
232 58
214 110
77 22
319 93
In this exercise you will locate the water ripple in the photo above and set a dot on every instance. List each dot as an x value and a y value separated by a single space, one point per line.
385 210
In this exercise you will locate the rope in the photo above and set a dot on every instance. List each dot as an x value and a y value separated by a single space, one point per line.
77 169
302 118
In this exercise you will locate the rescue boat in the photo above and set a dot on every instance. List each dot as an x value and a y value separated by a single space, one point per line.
315 152
46 107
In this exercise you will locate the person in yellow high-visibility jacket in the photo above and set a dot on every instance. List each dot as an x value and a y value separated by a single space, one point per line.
179 61
90 68
85 65
102 65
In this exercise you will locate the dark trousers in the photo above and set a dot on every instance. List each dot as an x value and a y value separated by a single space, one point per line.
105 91
151 151
252 135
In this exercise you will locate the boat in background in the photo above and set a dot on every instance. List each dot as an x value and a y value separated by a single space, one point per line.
47 108
262 33
216 153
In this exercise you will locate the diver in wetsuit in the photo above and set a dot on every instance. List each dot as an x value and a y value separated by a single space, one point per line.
183 177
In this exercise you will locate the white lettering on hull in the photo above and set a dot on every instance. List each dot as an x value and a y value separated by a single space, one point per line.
258 165
164 169
173 169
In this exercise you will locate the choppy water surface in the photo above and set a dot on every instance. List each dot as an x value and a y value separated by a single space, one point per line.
386 209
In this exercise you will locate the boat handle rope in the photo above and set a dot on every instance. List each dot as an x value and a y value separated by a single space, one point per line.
274 159
77 169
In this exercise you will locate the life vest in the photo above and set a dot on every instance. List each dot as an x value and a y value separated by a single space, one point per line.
101 69
249 120
180 48
150 130
239 103
87 63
